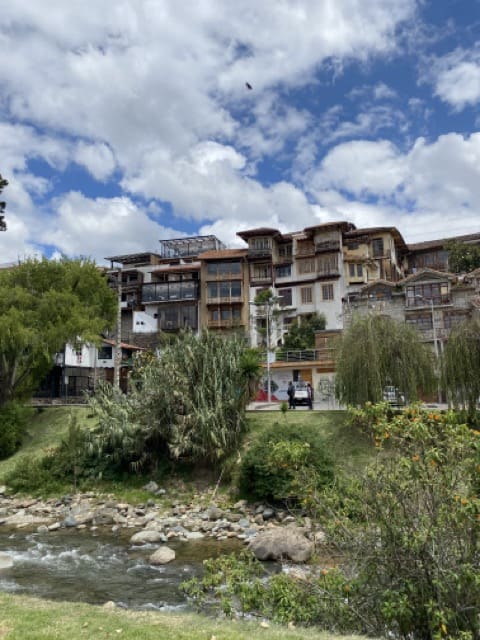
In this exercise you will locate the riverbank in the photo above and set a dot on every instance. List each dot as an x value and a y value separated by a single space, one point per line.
25 618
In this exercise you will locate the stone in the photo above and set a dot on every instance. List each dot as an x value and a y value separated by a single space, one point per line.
241 504
3 490
6 561
164 555
268 513
148 536
282 543
194 535
214 513
151 486
42 529
244 523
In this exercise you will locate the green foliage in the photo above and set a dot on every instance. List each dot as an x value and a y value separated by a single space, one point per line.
301 334
284 464
43 304
13 423
410 527
240 584
461 366
376 351
188 404
463 258
251 372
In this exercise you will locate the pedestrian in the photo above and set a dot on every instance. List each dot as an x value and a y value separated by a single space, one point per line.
291 395
310 395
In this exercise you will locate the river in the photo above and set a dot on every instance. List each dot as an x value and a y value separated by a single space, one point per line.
82 566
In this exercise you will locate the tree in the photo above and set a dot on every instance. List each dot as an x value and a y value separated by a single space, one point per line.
301 334
3 184
462 257
461 365
189 403
376 351
44 304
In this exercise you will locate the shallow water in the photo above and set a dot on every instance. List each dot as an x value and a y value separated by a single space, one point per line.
96 568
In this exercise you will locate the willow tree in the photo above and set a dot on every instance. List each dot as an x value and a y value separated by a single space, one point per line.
461 365
376 351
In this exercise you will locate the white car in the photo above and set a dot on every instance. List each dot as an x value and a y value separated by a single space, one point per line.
301 393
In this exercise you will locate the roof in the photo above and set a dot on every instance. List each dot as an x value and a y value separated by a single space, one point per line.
370 231
383 283
124 345
132 258
431 272
259 231
439 244
339 224
223 254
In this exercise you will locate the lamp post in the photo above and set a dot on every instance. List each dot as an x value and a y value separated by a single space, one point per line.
268 306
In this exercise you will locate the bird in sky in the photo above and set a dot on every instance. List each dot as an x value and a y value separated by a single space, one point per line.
249 86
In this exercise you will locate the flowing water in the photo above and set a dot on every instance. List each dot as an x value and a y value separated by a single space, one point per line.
96 568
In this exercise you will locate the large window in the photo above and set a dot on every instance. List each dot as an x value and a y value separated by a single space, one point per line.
328 264
285 250
225 289
285 271
261 272
327 291
285 296
260 243
105 353
223 268
420 295
306 295
306 266
225 314
377 247
421 322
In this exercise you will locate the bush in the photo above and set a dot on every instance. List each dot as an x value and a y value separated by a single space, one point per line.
13 425
283 465
414 537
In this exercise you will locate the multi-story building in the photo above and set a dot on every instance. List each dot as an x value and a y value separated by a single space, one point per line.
224 290
433 254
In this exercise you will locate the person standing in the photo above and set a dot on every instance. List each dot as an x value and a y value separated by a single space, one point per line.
291 395
310 395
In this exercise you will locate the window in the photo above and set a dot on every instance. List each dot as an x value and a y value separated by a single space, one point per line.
105 353
285 271
285 250
260 243
328 264
453 319
421 322
261 271
306 266
359 271
306 295
377 247
421 294
286 297
223 268
225 289
327 291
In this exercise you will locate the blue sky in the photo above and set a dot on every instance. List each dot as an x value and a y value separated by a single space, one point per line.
123 122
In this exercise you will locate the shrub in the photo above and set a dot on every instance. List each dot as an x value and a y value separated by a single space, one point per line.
414 537
284 464
13 424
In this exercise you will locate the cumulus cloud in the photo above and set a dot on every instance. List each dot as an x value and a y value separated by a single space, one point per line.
98 159
457 78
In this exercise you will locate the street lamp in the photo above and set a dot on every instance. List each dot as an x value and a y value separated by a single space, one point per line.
268 304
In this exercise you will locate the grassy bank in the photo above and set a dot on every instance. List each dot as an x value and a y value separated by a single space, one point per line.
24 618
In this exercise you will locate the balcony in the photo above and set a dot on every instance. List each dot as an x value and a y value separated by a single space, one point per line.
416 302
225 300
169 292
263 252
302 355
327 245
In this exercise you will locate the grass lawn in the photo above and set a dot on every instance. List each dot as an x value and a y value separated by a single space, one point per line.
350 449
24 618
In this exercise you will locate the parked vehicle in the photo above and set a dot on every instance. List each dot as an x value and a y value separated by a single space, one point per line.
393 396
301 394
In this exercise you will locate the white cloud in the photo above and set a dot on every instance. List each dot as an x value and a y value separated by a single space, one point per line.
101 227
457 78
96 158
431 190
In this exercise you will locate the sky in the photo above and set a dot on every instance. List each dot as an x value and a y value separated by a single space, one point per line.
125 122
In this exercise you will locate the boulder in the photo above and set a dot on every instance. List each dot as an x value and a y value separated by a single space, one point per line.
164 555
5 561
282 543
144 537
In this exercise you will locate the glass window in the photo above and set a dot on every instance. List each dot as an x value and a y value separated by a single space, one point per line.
377 247
260 243
286 297
306 266
359 270
284 271
261 271
306 294
105 353
327 291
351 270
